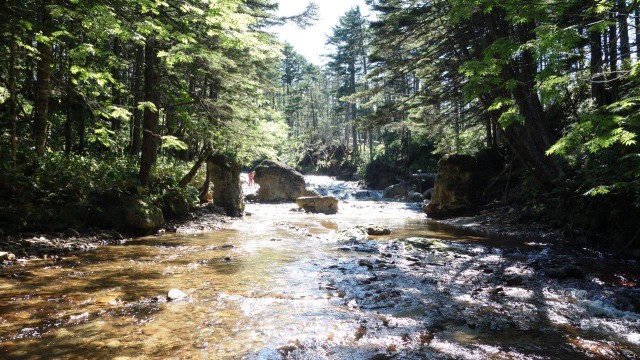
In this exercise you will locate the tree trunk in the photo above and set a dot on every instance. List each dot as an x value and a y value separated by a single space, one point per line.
597 76
68 124
352 108
625 47
204 192
81 131
613 60
138 96
150 126
116 124
13 112
41 113
204 155
636 23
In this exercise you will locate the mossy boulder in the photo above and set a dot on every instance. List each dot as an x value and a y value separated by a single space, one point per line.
142 217
176 204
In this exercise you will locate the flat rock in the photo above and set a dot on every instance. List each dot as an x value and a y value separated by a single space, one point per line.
318 204
378 230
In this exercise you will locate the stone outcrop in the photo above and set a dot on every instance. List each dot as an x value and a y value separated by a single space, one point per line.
224 174
456 186
279 183
318 204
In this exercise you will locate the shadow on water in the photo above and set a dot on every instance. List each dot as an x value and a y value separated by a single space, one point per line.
476 303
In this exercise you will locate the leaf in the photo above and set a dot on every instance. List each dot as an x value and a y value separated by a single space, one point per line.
147 105
598 190
172 142
120 113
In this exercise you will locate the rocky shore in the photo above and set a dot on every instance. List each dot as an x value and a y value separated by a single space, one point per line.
56 245
505 221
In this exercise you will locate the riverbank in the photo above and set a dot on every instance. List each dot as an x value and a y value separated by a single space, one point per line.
517 222
505 221
42 245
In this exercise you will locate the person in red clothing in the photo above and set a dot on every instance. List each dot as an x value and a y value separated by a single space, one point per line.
251 175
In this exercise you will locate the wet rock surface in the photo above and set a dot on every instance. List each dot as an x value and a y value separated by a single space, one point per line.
422 298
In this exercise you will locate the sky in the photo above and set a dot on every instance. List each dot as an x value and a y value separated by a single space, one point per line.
310 42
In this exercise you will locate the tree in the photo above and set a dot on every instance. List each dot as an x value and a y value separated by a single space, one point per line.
348 64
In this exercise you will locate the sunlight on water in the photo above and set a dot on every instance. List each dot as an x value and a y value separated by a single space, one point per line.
278 284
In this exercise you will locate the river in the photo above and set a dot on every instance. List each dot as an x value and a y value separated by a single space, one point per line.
283 284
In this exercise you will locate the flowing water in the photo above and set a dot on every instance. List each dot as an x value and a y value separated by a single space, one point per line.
283 284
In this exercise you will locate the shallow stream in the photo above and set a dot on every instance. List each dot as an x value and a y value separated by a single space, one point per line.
282 284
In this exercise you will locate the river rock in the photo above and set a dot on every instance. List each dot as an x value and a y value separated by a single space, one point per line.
415 197
224 173
279 183
143 217
396 191
377 230
357 233
318 204
176 294
4 255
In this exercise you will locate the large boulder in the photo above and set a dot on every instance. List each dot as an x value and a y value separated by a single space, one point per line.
142 217
456 187
318 204
176 203
396 191
224 174
279 183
